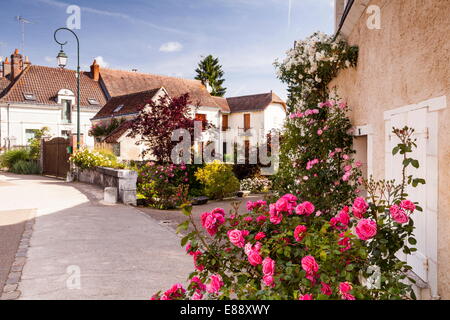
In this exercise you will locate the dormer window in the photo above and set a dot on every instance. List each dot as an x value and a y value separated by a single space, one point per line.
66 99
29 96
93 102
118 108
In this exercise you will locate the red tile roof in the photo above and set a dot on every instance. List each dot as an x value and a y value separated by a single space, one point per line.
222 103
45 82
4 83
130 104
256 102
118 82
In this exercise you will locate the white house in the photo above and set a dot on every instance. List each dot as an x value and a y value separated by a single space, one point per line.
32 97
243 118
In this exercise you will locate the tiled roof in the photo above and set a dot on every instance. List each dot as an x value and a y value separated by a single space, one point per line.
256 102
118 132
222 103
130 104
118 82
45 82
4 83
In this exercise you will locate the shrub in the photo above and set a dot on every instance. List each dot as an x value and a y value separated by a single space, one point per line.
256 184
165 186
9 158
26 167
244 171
103 129
218 179
87 159
289 250
35 143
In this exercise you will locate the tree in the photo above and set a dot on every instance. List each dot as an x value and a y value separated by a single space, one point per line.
315 158
154 125
209 72
35 142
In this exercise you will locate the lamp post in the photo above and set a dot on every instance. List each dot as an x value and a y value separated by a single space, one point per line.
62 62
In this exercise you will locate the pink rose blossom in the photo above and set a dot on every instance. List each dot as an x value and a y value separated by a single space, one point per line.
275 215
310 265
408 205
344 242
212 220
305 208
326 289
268 266
366 229
305 297
359 207
197 296
299 232
319 132
398 214
215 283
237 237
268 280
260 235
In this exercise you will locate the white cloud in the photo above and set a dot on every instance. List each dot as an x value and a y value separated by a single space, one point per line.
172 46
50 59
101 62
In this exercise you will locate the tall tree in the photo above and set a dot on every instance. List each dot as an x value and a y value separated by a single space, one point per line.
209 72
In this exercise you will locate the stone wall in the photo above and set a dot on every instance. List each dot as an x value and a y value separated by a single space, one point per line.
124 180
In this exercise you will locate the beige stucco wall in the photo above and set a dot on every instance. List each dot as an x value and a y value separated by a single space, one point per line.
403 63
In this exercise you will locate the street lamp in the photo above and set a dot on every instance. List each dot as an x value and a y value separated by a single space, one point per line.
62 62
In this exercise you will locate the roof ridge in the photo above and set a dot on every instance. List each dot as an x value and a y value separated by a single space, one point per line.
136 93
151 74
249 95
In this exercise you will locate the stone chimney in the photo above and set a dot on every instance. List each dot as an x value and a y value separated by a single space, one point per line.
6 66
95 71
16 64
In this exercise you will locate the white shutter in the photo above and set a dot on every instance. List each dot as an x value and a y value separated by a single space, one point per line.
414 119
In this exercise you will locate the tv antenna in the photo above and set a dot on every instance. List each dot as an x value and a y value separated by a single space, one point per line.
22 21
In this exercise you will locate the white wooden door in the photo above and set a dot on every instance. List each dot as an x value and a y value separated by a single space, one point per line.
414 119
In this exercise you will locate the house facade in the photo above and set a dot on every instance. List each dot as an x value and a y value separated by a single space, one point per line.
403 78
237 119
32 97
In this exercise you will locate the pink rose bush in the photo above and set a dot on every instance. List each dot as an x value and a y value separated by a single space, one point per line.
285 248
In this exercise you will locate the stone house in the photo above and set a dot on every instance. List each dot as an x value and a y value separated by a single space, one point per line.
403 78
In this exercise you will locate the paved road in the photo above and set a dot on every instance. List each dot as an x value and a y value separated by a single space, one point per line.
119 252
172 218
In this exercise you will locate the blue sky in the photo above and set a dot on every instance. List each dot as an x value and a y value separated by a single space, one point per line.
170 36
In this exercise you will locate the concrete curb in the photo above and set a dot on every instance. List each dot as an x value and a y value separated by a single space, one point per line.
10 290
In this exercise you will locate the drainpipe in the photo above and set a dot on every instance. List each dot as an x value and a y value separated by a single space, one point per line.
347 9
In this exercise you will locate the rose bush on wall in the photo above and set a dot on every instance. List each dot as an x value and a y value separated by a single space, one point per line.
316 145
289 250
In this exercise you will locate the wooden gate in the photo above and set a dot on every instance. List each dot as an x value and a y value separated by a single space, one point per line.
55 157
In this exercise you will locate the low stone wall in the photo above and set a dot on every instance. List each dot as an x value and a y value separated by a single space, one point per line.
124 180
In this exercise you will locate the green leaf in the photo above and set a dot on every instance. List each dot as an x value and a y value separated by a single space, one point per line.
185 240
415 163
412 241
183 226
186 210
395 150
